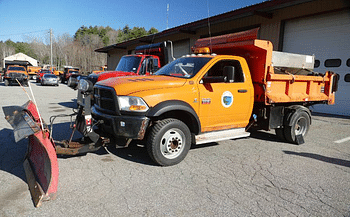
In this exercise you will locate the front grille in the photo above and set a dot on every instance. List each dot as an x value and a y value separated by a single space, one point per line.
16 75
105 99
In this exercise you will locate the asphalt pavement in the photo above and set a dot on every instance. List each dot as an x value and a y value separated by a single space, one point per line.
255 176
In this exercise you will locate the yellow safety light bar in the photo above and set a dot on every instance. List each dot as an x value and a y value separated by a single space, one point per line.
202 50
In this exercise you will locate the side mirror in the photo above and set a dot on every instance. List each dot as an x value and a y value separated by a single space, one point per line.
229 74
152 65
155 65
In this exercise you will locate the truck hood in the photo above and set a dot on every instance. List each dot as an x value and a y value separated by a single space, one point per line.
109 74
128 85
15 71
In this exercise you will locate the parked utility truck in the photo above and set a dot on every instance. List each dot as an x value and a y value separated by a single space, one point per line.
14 74
33 71
228 84
69 72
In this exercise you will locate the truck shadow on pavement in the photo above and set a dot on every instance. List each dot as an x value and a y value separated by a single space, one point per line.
134 152
317 114
331 160
71 104
267 136
12 154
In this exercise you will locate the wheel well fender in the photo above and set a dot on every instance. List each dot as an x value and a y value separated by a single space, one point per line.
294 109
179 110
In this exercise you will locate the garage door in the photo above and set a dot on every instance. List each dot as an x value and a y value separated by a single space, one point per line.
181 48
327 37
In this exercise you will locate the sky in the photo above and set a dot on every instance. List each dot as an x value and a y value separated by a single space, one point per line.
22 19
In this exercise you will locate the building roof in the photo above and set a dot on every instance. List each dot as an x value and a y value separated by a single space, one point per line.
264 9
22 57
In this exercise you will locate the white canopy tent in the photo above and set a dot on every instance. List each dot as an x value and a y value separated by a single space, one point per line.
19 58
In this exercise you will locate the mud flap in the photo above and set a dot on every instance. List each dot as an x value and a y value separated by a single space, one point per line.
40 164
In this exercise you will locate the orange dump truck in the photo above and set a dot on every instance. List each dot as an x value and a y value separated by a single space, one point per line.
15 74
207 97
33 71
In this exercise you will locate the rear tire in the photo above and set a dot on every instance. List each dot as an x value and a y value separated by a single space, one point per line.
298 124
169 142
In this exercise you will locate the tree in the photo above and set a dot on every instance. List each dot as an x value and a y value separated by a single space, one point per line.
152 31
77 50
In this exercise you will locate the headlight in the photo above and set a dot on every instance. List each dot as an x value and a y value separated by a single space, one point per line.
85 85
132 103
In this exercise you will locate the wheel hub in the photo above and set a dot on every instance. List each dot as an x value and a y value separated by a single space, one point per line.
300 127
171 143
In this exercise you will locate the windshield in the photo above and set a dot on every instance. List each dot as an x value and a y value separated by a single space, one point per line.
17 68
45 71
50 76
128 64
74 72
185 67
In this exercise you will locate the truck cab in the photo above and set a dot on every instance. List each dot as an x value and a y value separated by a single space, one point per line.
130 65
15 73
146 60
190 96
69 72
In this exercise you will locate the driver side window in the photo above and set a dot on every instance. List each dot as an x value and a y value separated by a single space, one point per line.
217 71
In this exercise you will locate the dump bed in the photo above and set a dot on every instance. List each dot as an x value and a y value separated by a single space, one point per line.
277 77
158 49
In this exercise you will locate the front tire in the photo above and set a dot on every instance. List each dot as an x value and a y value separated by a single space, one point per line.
7 83
169 142
69 82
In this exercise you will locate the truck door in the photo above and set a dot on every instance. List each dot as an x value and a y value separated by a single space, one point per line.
224 104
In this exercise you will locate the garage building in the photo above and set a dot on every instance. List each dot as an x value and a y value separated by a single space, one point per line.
314 27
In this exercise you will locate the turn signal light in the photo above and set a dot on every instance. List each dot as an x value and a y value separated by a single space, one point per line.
137 108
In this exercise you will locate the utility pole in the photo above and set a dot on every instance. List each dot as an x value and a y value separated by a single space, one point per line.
51 49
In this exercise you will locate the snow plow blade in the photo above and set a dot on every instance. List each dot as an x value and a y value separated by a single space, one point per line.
40 164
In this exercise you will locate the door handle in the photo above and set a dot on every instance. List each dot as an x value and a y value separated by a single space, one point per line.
242 91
